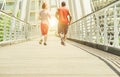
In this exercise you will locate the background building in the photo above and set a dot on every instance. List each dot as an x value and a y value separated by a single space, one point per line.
26 10
99 4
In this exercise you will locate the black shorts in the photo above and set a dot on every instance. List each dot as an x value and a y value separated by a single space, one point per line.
62 28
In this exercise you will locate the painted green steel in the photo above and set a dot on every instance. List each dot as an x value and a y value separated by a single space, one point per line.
100 27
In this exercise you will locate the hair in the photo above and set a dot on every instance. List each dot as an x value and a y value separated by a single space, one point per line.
44 5
63 4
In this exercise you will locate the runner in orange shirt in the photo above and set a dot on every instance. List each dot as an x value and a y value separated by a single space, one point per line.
64 18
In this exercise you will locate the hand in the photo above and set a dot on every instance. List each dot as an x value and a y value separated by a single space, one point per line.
69 24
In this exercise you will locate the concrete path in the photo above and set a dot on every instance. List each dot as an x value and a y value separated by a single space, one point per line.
30 59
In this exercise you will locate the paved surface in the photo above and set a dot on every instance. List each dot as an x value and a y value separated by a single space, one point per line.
30 59
111 59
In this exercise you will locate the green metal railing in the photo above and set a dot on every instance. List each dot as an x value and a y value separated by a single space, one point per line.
13 29
100 27
99 4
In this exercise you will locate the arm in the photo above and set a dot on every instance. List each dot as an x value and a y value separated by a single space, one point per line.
70 18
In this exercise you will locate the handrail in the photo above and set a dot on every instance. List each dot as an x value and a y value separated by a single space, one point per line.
100 27
13 17
109 5
13 29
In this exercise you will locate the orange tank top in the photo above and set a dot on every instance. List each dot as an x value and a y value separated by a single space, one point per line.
63 15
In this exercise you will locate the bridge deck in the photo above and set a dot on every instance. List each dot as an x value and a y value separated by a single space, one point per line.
29 59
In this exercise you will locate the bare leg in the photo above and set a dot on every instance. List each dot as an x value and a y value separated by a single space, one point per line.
41 40
62 39
45 39
65 37
60 35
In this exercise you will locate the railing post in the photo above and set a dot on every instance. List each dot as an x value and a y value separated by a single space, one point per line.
15 26
97 29
10 31
75 27
26 31
86 33
5 23
105 28
90 25
116 38
82 25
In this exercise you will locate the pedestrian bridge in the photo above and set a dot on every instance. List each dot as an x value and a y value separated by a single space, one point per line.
29 59
92 48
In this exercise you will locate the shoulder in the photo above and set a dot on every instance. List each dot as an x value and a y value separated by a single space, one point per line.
48 11
66 8
40 11
63 8
59 8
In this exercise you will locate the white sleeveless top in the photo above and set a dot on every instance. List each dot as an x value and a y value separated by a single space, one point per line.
44 15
